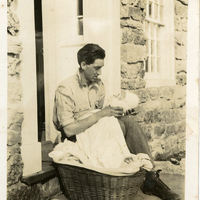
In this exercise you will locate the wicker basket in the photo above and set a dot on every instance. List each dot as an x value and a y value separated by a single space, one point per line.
83 184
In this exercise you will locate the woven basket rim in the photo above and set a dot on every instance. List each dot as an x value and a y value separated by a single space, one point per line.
112 175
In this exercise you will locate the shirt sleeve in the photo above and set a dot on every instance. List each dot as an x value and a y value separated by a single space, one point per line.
63 107
101 95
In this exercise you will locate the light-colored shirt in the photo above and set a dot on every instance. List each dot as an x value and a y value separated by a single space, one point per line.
73 99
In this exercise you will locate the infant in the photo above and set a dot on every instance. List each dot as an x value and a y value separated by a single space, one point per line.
129 102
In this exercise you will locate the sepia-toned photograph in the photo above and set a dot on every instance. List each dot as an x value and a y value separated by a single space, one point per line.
102 98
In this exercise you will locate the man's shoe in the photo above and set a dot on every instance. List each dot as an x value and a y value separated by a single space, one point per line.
154 186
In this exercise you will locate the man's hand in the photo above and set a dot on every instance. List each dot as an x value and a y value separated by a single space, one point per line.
109 111
81 125
130 111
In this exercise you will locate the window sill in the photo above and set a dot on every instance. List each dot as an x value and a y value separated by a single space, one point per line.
48 171
159 83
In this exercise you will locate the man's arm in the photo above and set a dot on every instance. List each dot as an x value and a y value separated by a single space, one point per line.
80 126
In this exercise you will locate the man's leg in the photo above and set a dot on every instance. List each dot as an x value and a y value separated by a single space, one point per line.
135 137
137 143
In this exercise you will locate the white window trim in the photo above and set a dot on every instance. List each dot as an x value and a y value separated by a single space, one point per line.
102 28
167 78
30 145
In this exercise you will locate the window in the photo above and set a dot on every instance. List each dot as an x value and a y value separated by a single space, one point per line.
153 27
159 30
80 16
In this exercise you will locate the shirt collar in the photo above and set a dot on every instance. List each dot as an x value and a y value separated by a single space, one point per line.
82 84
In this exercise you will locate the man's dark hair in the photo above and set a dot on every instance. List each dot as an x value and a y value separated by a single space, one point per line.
89 53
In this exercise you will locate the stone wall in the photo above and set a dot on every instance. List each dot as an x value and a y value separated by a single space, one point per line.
14 103
162 110
16 190
180 35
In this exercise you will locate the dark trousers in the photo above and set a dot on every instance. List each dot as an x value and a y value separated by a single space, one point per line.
135 138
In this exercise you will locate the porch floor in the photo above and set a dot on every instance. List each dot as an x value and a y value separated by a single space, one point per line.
175 182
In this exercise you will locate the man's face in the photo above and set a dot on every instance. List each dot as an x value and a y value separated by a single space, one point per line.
93 70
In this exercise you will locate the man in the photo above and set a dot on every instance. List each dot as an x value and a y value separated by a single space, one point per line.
85 91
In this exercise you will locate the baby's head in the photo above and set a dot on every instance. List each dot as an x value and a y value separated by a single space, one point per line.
129 102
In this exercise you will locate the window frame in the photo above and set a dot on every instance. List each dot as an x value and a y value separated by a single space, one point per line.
166 77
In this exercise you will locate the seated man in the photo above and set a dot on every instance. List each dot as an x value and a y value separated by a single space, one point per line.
85 91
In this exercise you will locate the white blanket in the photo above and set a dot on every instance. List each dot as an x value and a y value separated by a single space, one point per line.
101 147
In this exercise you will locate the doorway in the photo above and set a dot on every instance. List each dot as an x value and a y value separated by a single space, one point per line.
39 70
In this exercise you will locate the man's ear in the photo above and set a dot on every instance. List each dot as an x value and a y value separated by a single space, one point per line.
83 65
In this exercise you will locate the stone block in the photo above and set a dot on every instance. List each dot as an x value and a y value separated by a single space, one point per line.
13 137
165 116
170 129
182 112
14 169
149 133
181 79
14 120
140 117
132 36
130 71
14 89
15 149
135 13
9 2
169 168
140 39
133 2
127 35
177 23
159 130
138 3
132 53
166 93
132 84
180 127
133 24
49 187
142 73
167 149
140 83
124 12
143 95
184 2
151 105
142 4
23 192
152 116
179 92
14 67
179 103
14 45
184 22
180 66
124 2
12 23
154 94
180 9
8 153
180 38
175 149
128 84
182 145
